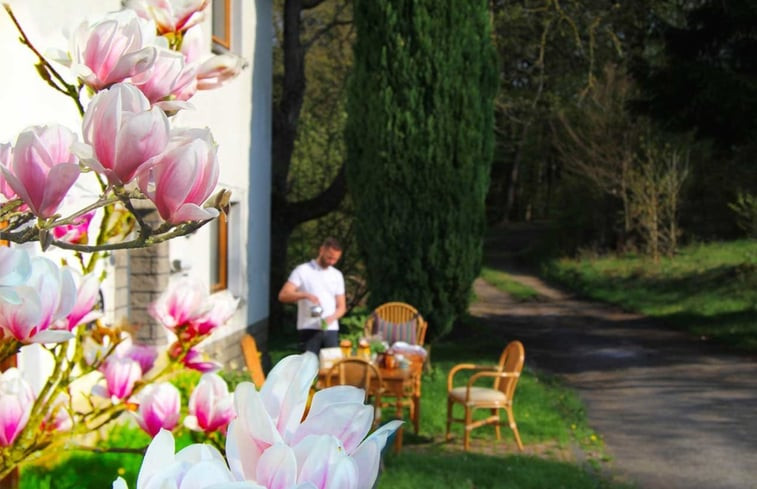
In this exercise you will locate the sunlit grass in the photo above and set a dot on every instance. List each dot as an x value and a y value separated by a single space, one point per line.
707 289
506 283
548 415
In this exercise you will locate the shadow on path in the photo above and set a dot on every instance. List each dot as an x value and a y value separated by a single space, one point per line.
674 412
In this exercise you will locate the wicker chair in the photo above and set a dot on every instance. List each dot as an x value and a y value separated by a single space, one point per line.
503 378
397 313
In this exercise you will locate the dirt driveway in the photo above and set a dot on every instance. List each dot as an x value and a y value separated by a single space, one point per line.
674 412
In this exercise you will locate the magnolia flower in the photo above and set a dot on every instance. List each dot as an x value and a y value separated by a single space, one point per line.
123 133
6 156
221 307
16 399
182 302
48 295
121 373
195 360
158 408
211 406
15 269
144 355
76 232
43 168
168 77
217 70
170 15
111 50
269 443
197 466
183 177
211 72
86 297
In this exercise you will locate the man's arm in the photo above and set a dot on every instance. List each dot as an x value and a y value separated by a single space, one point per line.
341 309
290 294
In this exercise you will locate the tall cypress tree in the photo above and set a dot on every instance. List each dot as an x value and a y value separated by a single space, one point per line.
419 145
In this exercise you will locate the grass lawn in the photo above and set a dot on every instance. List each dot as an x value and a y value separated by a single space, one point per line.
506 283
550 418
709 289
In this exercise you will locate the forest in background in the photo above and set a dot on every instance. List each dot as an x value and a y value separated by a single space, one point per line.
625 126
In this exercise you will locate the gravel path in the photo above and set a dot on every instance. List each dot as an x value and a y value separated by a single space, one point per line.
674 412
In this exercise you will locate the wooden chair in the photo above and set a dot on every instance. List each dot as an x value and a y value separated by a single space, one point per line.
398 313
252 359
360 373
503 378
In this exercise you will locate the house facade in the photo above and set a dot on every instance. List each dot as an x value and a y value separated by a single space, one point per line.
230 253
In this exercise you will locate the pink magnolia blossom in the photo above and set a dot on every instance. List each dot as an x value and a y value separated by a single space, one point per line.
195 360
121 373
86 298
77 231
218 70
182 302
210 72
6 156
43 168
112 50
123 132
183 177
142 354
158 408
197 466
211 406
270 444
168 77
48 295
16 399
170 15
221 306
186 309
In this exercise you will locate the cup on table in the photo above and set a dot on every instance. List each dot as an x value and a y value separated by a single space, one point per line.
346 346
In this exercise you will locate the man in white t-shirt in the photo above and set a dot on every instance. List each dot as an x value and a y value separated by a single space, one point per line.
317 283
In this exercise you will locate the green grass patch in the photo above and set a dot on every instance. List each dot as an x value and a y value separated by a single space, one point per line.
708 289
549 416
439 468
506 283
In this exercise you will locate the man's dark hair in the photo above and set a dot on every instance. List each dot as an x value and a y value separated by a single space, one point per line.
332 243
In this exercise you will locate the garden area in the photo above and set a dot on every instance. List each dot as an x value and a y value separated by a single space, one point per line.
550 418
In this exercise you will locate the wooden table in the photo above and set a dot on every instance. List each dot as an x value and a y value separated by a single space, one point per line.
402 386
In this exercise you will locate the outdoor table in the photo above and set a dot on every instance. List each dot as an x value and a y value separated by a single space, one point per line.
401 384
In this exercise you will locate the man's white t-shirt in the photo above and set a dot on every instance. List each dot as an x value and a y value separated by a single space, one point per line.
324 283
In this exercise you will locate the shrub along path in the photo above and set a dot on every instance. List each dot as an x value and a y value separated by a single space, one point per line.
674 412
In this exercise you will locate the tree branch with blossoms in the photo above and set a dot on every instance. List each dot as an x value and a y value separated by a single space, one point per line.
127 85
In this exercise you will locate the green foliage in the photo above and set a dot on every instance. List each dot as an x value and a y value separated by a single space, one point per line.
505 283
438 467
745 208
707 289
419 143
351 325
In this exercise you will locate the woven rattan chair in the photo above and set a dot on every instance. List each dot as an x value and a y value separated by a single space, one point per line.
397 313
498 394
